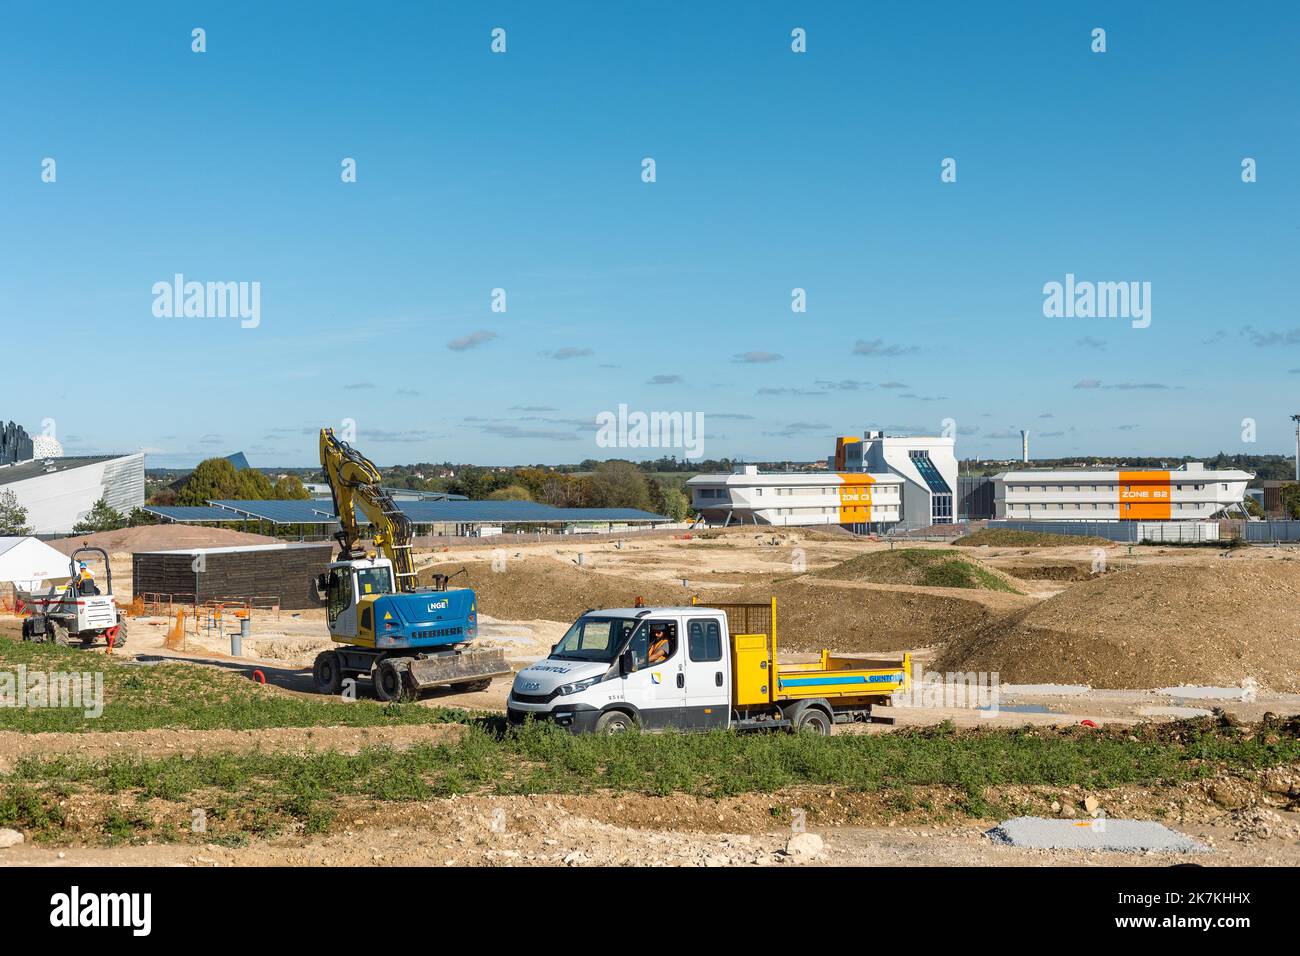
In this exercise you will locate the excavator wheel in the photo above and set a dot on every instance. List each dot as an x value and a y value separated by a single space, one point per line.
388 681
327 673
475 686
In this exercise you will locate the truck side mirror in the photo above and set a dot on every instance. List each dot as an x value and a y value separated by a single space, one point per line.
627 662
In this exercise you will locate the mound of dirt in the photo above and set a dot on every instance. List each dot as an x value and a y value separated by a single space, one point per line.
1008 538
1050 571
858 620
810 616
926 567
159 537
541 588
1217 623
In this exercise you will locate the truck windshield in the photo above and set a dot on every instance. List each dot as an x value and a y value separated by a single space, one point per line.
594 638
373 581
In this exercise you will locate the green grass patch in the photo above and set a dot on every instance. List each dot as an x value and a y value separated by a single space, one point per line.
928 567
1009 538
190 696
262 793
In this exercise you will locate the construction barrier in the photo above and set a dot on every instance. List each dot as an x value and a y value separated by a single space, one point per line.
154 604
175 639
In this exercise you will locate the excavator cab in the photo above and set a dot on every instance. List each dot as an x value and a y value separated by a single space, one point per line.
364 608
347 587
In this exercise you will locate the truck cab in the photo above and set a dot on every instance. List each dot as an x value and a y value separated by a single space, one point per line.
652 668
694 668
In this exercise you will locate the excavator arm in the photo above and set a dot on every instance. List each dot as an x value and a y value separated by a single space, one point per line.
355 484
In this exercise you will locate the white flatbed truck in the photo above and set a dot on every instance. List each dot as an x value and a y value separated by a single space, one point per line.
715 668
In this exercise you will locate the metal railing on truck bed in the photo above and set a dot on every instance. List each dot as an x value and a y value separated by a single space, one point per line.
758 678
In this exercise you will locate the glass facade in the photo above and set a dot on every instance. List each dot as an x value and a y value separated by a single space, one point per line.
940 492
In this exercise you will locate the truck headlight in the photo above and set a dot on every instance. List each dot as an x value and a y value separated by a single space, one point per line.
581 685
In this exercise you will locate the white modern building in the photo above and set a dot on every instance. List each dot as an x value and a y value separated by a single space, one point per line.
748 496
1186 493
59 492
872 483
927 466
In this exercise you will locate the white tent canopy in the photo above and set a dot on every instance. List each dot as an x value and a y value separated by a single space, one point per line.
25 562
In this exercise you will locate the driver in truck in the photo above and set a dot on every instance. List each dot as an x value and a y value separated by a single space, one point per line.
658 652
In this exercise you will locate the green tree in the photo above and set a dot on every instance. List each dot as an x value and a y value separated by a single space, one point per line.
511 493
13 516
216 478
138 517
1254 508
253 485
473 482
1291 500
619 484
676 505
290 488
102 517
562 491
163 497
656 489
212 479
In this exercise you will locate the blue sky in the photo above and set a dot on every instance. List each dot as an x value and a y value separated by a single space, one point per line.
522 171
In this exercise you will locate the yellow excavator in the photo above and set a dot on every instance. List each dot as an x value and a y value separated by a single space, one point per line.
403 637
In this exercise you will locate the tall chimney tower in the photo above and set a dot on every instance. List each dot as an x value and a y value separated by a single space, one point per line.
1024 446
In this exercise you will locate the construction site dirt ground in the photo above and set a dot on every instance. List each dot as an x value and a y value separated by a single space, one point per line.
1181 630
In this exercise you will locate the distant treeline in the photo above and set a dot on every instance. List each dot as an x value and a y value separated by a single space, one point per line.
606 484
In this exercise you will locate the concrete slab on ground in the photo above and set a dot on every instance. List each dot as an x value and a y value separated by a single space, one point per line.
1103 833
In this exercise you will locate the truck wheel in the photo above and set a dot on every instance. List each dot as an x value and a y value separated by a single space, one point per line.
388 681
120 639
325 671
615 722
813 719
59 635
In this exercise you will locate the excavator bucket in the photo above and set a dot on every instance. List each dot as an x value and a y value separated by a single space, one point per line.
458 667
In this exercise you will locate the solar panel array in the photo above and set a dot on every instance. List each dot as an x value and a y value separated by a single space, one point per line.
189 513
